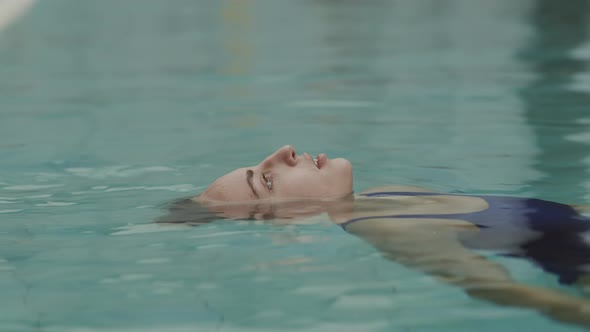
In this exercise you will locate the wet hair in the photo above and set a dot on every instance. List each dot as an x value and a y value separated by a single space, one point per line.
191 212
187 211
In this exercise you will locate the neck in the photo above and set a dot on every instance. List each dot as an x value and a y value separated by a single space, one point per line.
341 210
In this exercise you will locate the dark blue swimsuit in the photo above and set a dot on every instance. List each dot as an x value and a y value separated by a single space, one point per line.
557 246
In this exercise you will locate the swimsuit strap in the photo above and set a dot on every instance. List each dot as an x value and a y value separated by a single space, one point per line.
402 193
532 213
395 193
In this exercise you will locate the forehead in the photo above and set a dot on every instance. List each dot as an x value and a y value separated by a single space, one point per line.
232 186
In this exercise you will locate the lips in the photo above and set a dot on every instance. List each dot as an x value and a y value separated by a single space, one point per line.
321 160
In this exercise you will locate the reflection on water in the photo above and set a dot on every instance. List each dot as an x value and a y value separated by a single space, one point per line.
352 43
554 109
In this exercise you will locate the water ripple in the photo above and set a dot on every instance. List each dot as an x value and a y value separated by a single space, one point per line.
115 171
222 234
364 301
146 228
32 187
56 204
176 188
126 278
39 196
124 189
104 189
332 103
10 211
153 261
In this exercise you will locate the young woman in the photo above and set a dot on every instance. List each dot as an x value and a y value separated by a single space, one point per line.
430 231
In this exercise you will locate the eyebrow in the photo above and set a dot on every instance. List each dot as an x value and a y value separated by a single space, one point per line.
249 175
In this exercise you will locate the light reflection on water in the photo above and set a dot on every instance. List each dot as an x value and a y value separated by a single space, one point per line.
119 109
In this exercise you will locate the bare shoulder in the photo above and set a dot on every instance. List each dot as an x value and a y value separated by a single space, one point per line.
397 188
400 226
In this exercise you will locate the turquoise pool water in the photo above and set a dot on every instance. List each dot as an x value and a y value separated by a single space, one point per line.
111 109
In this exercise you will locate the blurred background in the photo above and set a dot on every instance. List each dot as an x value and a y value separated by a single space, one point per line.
110 109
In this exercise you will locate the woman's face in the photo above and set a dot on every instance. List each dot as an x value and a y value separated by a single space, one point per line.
284 174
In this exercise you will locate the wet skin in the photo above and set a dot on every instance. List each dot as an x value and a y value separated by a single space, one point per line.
287 186
284 175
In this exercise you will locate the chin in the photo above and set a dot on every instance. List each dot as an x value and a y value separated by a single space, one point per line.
344 169
343 165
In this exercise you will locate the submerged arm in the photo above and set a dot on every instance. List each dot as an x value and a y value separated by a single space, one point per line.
431 245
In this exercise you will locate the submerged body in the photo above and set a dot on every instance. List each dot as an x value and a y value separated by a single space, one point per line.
436 233
553 235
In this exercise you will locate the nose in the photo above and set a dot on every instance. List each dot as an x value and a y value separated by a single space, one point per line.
285 155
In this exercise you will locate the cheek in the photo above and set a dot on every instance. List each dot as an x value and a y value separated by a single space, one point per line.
314 185
300 184
297 184
336 180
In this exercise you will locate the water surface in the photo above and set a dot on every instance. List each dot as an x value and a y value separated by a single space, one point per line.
111 109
